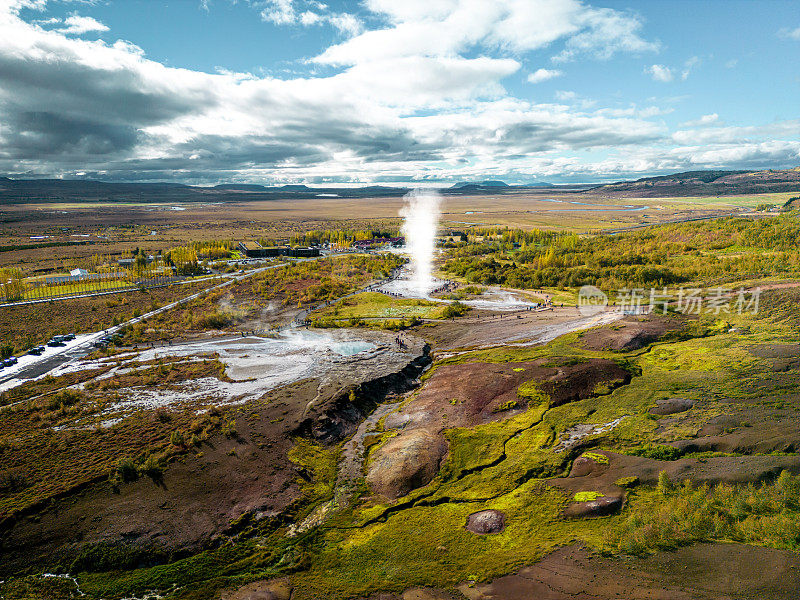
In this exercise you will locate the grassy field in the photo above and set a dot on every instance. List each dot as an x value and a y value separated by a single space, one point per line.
374 305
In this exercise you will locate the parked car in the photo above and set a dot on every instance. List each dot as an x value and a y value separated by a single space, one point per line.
68 338
56 342
10 362
38 351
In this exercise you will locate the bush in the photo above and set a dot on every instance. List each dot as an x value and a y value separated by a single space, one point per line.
152 467
627 482
454 309
656 452
12 481
127 470
679 515
177 439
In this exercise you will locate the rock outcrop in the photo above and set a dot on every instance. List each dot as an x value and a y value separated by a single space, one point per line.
406 462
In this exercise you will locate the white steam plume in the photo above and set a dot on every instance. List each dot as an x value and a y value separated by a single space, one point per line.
421 214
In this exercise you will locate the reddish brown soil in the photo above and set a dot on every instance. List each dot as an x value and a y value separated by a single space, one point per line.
701 572
587 475
631 332
469 394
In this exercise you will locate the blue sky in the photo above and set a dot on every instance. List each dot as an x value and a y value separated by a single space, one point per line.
413 92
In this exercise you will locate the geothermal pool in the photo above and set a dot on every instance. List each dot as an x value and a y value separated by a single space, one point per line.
405 285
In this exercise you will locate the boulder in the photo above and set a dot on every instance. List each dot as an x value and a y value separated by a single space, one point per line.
604 505
669 406
486 522
406 462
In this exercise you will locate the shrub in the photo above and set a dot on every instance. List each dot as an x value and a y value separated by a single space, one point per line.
627 482
656 452
12 481
680 515
664 483
126 469
229 429
152 467
454 309
177 439
505 406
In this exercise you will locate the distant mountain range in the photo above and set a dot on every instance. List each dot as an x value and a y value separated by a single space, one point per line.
707 183
690 183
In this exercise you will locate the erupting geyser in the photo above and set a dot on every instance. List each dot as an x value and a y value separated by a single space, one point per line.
421 214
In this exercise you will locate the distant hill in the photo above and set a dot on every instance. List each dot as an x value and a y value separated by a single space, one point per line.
241 187
707 183
60 190
690 183
480 184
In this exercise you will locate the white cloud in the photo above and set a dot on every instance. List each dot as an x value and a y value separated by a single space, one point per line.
660 73
74 25
605 32
345 23
417 108
731 64
702 121
543 75
299 12
688 66
446 27
280 12
790 34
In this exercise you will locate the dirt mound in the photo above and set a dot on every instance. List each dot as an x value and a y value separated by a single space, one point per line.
467 395
783 357
599 507
700 572
670 406
486 522
631 333
586 465
728 434
405 463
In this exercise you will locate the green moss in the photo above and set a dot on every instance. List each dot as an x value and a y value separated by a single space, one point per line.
627 482
505 406
586 496
600 459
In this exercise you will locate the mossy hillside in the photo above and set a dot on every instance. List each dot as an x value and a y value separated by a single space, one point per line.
406 550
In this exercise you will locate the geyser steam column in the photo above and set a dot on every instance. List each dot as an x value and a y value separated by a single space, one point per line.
421 214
